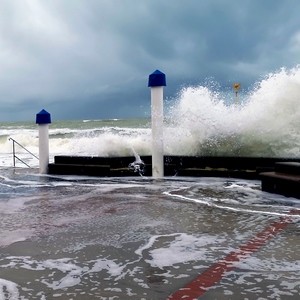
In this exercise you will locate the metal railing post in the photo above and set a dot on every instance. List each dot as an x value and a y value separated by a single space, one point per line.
16 157
14 153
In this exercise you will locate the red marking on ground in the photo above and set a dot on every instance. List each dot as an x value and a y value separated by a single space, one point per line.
214 274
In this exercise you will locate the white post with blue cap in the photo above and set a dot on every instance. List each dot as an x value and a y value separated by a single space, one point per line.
157 80
43 119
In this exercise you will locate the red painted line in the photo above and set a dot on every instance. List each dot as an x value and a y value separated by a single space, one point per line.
215 273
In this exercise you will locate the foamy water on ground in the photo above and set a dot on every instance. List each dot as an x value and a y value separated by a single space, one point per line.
71 237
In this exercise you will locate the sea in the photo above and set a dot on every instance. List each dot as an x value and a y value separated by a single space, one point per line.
77 237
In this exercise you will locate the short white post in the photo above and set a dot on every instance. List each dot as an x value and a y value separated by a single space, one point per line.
157 80
43 119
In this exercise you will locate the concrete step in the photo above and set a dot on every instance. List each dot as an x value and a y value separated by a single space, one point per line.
220 172
79 169
113 162
233 163
104 170
208 166
281 183
288 167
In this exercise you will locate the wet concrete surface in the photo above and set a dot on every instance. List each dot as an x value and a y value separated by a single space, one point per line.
142 239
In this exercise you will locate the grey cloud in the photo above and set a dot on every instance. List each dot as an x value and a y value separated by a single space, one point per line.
97 52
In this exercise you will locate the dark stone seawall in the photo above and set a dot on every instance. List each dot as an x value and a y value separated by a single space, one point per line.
236 167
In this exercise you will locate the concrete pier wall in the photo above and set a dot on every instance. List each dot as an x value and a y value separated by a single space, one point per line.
237 167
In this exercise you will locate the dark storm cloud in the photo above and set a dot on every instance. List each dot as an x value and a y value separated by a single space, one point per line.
83 59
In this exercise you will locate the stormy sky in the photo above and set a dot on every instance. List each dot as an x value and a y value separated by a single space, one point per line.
91 59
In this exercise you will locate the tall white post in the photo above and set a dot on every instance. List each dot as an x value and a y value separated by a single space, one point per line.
157 80
43 119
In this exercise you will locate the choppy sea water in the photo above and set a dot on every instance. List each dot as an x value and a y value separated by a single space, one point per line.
71 237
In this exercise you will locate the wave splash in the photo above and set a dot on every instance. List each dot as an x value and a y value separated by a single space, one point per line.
266 123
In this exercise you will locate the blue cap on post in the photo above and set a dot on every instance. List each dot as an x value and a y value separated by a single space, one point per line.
157 78
43 117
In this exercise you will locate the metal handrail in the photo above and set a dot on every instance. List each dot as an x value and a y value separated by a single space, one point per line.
16 157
